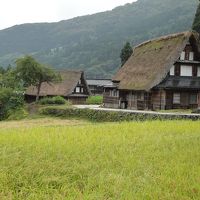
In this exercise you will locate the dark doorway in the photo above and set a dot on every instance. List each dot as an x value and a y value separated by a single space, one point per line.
124 105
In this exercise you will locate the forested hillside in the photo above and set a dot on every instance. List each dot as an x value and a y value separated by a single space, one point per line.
93 43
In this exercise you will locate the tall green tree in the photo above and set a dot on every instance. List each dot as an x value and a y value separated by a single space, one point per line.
11 93
126 52
196 22
2 70
31 72
8 80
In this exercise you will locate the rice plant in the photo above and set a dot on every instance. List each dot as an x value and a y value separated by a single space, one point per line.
136 160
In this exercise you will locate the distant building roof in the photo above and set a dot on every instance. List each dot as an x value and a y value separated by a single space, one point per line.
99 82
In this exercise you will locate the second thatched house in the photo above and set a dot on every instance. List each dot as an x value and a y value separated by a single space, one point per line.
73 87
163 73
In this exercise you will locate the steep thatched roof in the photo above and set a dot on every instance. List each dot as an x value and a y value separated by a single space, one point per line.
64 88
152 60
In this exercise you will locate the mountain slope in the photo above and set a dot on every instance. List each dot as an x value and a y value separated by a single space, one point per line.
93 43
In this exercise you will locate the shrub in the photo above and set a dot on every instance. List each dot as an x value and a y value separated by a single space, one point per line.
17 114
95 100
52 100
16 100
59 100
46 101
10 101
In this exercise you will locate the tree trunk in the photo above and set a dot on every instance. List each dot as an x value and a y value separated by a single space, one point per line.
38 92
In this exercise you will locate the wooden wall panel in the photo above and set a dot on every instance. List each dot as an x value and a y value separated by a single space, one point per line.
158 100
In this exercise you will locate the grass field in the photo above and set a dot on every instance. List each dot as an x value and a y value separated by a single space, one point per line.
52 159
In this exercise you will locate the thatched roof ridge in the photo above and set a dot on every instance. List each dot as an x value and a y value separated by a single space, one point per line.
64 88
152 60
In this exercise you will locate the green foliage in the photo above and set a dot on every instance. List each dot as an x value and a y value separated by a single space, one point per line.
2 70
46 101
17 114
196 22
5 94
108 116
126 52
109 161
11 93
33 73
10 101
59 100
98 100
5 70
28 70
52 100
93 43
9 80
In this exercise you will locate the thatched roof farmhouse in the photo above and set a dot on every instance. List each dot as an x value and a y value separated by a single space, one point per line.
73 87
163 73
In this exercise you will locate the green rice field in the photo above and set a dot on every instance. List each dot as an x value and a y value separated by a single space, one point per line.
52 159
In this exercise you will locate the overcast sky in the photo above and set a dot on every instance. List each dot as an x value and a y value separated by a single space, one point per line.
14 12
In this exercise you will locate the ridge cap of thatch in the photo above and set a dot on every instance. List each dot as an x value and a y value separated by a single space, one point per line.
164 37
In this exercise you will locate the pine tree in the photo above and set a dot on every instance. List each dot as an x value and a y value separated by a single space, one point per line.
196 23
126 52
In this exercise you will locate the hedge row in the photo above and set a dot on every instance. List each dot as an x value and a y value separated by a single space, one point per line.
110 116
52 100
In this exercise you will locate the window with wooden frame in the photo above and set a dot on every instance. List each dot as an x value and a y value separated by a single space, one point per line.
77 90
176 98
193 98
114 93
198 71
186 70
172 71
182 55
191 55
